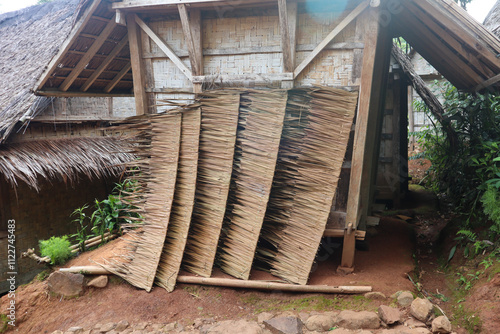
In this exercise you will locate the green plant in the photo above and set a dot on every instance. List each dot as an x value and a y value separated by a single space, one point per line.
81 234
56 248
4 321
466 282
42 275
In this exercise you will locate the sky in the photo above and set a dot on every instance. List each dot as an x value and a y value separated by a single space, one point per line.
477 8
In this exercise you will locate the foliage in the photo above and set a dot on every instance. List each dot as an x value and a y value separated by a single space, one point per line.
4 321
463 3
108 215
57 248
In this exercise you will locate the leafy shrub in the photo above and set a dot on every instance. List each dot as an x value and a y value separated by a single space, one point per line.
57 248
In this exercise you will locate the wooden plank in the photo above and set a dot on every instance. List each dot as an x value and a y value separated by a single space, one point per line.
285 36
344 23
98 71
339 233
83 62
191 26
134 38
117 78
491 81
77 29
164 47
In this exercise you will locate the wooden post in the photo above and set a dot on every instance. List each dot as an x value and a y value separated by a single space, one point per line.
411 118
376 56
191 26
288 28
134 37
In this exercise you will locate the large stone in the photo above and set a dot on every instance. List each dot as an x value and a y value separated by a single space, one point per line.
389 315
441 325
358 320
421 309
320 322
99 282
264 316
412 322
284 325
405 298
65 284
236 326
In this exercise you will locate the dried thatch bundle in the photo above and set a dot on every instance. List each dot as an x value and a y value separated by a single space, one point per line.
217 140
312 150
65 159
158 170
260 123
182 208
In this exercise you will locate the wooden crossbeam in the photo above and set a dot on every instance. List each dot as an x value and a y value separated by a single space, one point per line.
491 81
164 47
98 71
117 78
344 23
99 41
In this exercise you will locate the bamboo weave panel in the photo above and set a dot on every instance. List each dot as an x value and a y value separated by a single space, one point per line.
182 208
217 141
260 123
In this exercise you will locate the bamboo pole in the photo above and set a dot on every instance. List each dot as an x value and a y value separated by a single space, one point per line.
88 270
264 285
94 241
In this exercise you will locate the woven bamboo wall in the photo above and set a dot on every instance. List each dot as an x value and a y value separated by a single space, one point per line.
89 107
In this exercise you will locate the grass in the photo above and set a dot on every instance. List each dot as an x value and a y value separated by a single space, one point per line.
314 303
4 321
42 275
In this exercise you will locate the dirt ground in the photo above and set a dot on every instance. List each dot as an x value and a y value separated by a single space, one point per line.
398 249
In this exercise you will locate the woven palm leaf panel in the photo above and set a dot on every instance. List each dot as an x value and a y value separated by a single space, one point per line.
312 150
159 172
182 208
260 123
219 122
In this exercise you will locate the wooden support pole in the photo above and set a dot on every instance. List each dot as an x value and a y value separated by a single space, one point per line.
191 26
288 29
89 54
134 38
117 78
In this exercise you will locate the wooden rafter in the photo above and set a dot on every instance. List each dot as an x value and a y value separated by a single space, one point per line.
164 47
77 29
98 42
98 71
344 23
117 78
490 82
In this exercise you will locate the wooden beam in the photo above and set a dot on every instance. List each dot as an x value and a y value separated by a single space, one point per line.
140 4
164 47
121 18
135 44
98 71
117 78
98 42
77 29
344 23
58 93
339 233
285 37
191 26
491 81
243 77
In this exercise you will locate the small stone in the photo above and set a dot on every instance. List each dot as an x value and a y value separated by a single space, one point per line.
107 327
141 326
65 284
441 325
320 322
358 320
375 296
121 326
405 298
75 330
57 332
413 323
170 327
389 315
264 316
99 282
421 309
236 326
284 325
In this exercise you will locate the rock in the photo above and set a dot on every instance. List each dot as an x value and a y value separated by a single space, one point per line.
320 322
99 282
75 330
141 326
411 322
441 325
405 298
121 326
347 331
375 296
170 327
358 320
284 325
405 330
57 332
107 327
65 284
389 315
236 326
264 316
421 309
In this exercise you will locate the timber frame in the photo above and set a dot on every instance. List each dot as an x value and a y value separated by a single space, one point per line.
164 44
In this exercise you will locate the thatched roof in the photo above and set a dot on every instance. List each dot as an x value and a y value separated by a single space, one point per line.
492 20
29 38
63 159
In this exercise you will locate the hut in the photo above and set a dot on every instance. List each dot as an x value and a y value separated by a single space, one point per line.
54 157
297 54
